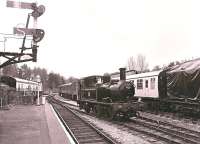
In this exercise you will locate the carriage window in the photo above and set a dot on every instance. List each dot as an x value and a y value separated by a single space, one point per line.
153 83
140 84
88 94
146 83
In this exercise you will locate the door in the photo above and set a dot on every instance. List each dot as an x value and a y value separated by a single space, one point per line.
146 88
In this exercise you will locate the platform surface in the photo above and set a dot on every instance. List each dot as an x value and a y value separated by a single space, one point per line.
31 124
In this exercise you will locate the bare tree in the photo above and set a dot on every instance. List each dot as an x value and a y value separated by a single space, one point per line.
142 65
131 64
138 64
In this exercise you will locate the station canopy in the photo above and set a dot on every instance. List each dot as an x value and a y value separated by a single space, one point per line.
183 80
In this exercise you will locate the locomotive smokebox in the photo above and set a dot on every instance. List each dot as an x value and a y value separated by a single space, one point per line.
122 73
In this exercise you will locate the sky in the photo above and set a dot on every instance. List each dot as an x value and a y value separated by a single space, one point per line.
88 37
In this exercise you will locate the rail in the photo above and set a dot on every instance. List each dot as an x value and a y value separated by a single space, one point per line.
80 130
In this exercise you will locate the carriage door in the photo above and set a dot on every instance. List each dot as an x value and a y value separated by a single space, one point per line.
146 88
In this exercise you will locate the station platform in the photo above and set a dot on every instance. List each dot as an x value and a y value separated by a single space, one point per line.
31 124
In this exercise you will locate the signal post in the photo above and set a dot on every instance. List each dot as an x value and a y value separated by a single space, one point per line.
36 34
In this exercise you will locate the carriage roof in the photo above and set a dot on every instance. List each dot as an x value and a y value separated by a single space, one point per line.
142 75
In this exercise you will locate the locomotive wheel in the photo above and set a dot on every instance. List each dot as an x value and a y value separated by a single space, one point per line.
87 109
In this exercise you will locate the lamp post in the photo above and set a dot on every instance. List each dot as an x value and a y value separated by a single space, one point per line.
38 90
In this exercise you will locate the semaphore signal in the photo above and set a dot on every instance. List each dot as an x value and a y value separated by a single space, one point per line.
37 34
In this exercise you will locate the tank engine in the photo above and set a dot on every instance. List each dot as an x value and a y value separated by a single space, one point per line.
109 99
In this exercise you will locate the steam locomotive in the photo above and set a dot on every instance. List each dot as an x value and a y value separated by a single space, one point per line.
107 98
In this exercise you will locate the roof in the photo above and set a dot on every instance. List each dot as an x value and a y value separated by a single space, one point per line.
189 67
147 74
24 81
20 80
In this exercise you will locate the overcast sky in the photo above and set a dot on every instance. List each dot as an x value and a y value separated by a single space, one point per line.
86 37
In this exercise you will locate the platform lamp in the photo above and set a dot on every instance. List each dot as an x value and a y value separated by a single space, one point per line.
38 90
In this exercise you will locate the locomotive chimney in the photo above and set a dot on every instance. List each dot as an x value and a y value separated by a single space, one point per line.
122 73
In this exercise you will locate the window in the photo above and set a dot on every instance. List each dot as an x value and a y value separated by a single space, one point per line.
140 84
88 94
146 83
153 80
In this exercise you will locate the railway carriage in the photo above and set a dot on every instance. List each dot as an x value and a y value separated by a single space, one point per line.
70 90
146 84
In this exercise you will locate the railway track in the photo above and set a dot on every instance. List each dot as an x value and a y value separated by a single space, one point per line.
81 131
163 131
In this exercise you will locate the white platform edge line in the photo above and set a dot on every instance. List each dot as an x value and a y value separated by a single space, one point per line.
66 133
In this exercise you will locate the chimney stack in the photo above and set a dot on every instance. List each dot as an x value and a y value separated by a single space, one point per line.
122 73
